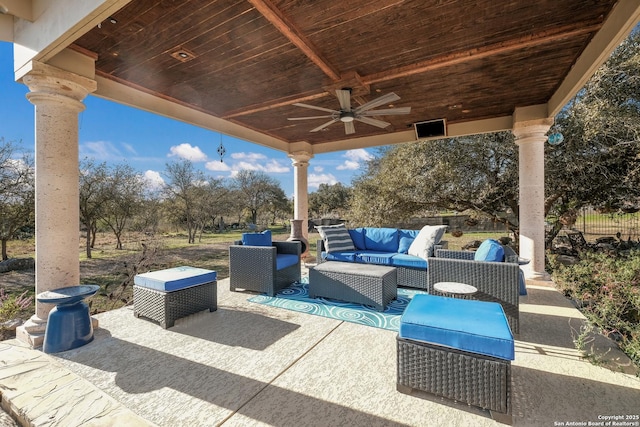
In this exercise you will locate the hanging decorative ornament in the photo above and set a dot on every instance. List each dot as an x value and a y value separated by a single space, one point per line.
555 138
221 149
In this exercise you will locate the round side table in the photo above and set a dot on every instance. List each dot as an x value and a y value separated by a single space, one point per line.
69 323
455 289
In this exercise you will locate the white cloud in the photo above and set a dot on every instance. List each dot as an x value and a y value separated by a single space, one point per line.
357 155
217 166
348 165
318 169
245 166
188 152
314 180
275 167
153 180
355 159
100 150
248 163
250 157
129 148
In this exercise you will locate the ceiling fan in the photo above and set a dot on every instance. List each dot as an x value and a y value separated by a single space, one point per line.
347 115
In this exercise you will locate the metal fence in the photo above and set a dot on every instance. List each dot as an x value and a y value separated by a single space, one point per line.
593 224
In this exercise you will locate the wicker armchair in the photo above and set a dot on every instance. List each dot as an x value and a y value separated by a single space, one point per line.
253 268
495 281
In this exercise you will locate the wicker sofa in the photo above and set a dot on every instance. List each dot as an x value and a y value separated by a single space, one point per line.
262 267
384 246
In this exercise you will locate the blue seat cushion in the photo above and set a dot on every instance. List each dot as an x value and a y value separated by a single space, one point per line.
472 326
381 239
490 250
257 239
174 279
285 260
357 235
410 261
374 257
348 256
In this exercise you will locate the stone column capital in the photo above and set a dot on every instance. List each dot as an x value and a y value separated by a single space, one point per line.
300 158
532 130
51 85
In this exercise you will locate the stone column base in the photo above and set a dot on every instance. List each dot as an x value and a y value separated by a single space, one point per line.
32 332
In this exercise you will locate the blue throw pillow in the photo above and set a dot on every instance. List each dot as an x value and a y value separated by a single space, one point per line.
257 239
406 239
490 250
357 235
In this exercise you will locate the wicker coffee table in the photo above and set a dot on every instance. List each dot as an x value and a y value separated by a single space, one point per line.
367 284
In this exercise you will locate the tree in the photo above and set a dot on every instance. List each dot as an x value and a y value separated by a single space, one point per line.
17 193
598 164
477 173
123 199
329 200
278 206
209 203
93 195
183 193
255 190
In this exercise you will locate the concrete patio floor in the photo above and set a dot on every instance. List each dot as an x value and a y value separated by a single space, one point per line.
248 365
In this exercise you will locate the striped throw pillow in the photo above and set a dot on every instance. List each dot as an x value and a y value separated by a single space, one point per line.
336 238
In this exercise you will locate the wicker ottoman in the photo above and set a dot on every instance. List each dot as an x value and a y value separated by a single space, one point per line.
374 285
458 349
168 295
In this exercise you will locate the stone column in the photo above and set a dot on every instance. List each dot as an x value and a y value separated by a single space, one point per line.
530 138
300 161
57 96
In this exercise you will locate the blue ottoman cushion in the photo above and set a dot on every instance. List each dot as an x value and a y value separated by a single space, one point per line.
472 326
173 279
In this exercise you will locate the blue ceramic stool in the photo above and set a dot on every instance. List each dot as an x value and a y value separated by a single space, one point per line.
69 323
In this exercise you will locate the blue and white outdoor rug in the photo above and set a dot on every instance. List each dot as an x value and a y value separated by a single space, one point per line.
296 298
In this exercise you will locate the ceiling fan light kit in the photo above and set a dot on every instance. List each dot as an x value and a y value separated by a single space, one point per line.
347 115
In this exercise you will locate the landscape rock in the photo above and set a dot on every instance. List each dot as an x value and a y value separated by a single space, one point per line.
17 264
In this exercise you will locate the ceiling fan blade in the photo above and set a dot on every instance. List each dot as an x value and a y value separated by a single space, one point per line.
373 122
384 99
387 111
349 128
344 97
324 125
309 117
299 104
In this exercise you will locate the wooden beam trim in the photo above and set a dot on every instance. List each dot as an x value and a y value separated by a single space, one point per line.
478 53
256 108
294 35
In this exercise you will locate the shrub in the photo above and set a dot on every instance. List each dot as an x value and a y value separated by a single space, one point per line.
12 305
607 289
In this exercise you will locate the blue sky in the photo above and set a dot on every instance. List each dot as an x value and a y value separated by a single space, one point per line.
114 133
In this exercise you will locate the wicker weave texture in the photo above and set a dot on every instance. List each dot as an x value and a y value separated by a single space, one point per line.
407 277
372 285
253 268
465 377
495 281
167 307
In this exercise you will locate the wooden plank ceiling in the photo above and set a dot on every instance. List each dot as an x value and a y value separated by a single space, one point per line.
249 61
